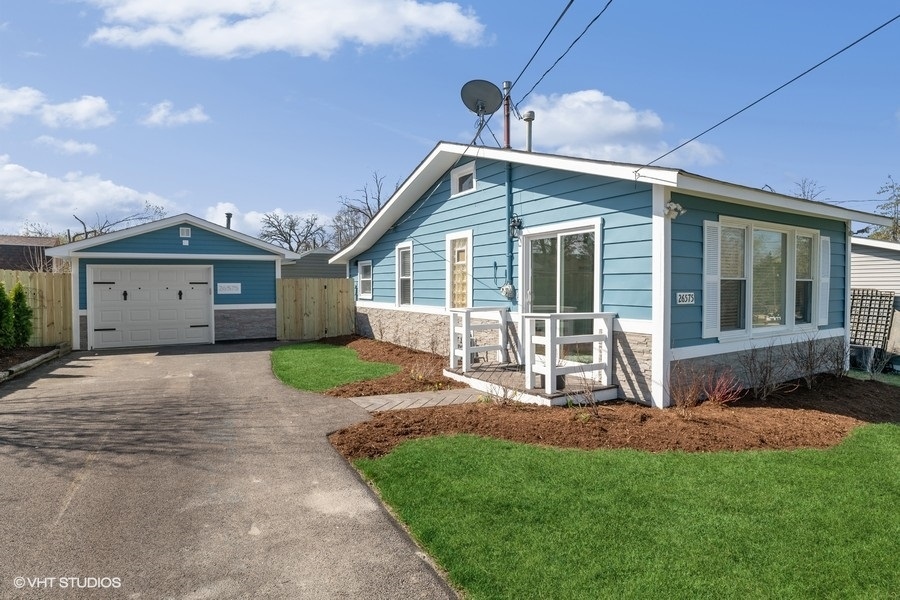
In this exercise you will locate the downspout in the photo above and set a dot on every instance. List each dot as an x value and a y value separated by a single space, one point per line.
508 289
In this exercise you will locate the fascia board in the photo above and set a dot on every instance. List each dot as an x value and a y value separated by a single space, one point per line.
736 194
875 243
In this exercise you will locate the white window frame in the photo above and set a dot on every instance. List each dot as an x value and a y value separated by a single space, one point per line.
359 273
821 268
398 249
451 260
460 172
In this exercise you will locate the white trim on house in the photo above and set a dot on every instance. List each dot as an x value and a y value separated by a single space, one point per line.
756 342
76 309
73 248
884 245
359 269
661 293
428 310
451 260
177 256
398 268
457 174
426 178
712 279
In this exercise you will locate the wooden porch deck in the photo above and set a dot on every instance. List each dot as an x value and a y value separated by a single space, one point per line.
507 381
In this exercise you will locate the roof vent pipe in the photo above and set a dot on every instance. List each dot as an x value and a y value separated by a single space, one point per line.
228 220
507 88
528 117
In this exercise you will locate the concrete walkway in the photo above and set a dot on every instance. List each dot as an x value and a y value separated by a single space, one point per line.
417 399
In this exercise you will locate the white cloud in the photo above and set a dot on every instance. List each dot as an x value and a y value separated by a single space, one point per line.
590 124
18 102
228 28
33 196
66 146
162 115
249 223
87 111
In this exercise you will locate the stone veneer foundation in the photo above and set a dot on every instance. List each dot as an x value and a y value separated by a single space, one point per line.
431 333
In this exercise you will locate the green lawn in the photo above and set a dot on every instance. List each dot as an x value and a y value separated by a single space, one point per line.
513 521
317 367
889 378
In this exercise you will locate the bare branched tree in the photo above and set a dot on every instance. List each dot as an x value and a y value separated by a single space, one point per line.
295 232
808 189
889 208
101 225
356 212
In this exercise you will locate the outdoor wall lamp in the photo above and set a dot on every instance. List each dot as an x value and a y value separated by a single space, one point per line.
515 226
674 210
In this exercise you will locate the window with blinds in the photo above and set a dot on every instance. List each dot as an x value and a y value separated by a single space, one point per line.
404 275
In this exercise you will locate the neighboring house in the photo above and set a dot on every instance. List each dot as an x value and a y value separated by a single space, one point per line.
876 265
179 280
688 269
26 252
313 264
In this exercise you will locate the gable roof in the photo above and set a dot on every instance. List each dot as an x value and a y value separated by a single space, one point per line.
447 155
75 248
28 240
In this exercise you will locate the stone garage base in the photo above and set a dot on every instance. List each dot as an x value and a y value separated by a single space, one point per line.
249 324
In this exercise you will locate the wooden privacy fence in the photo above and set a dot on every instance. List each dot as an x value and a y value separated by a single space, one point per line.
50 297
310 309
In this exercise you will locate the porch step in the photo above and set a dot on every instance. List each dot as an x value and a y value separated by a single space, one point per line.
507 381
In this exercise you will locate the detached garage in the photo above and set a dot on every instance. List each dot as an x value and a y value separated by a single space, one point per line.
180 280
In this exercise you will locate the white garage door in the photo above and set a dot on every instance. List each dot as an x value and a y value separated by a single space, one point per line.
149 306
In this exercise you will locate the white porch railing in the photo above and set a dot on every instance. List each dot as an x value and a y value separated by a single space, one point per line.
463 333
552 363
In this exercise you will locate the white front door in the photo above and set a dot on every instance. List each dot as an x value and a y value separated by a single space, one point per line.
149 305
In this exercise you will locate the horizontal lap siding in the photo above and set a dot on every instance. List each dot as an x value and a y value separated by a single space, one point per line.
169 241
687 260
875 268
257 278
540 197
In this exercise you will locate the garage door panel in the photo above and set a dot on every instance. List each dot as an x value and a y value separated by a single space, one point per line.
197 334
106 318
153 313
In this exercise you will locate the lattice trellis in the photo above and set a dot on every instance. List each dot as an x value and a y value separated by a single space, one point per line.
871 312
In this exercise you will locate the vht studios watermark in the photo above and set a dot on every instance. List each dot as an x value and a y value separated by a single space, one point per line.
71 583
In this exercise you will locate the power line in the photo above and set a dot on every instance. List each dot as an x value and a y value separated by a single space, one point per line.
563 55
778 89
525 68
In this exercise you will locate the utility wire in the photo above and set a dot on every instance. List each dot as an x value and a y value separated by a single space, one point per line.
563 55
525 68
778 89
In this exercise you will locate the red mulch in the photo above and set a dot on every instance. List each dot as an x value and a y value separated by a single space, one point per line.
804 418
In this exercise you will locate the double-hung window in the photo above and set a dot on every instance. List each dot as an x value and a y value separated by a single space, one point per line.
761 278
365 279
404 274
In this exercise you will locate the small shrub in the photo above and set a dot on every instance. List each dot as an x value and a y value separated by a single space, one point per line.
685 386
6 320
722 387
835 357
766 372
22 323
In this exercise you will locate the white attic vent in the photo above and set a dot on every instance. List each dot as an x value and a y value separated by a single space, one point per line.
184 232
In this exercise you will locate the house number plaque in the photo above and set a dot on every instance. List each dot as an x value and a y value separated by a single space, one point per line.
684 297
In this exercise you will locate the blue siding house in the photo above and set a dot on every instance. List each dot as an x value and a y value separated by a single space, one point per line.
616 272
179 280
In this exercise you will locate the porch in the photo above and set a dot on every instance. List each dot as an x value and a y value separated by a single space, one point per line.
556 358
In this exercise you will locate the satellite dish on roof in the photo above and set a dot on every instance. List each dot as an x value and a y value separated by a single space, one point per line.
481 97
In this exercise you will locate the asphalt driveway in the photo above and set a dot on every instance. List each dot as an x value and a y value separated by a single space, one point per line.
188 473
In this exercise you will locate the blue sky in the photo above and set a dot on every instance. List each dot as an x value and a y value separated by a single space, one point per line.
254 106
